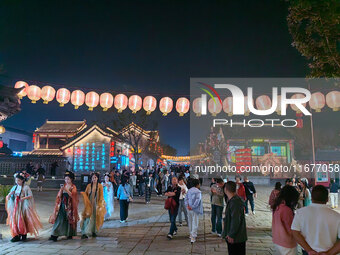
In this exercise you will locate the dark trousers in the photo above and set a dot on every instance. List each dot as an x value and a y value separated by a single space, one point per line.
173 217
115 189
159 188
236 248
141 189
216 218
251 201
124 209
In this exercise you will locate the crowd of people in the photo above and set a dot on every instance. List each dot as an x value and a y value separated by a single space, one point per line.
299 214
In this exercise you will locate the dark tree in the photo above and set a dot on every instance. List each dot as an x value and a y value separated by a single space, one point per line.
315 28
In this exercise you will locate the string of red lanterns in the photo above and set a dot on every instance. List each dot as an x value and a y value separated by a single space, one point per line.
149 104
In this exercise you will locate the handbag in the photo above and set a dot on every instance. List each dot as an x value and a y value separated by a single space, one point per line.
126 193
168 203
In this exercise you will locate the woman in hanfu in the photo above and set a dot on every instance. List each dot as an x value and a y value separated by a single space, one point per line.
22 216
65 215
94 208
108 196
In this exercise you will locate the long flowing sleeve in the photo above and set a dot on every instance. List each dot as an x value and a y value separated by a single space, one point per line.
100 210
53 217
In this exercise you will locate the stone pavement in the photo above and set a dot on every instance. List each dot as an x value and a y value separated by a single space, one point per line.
145 233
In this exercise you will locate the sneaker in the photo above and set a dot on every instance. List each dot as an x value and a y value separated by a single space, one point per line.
175 233
169 236
122 221
192 240
213 232
180 224
253 212
219 235
53 238
247 214
15 239
84 237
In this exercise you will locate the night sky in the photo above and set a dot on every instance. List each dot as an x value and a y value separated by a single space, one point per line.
147 47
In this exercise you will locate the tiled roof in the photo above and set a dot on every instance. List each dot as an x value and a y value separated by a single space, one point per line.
54 152
61 127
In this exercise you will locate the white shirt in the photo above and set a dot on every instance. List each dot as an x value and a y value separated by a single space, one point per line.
319 225
183 187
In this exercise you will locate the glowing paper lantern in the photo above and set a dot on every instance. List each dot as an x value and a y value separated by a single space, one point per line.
149 104
21 84
246 108
165 105
106 101
263 102
47 94
293 106
77 98
2 129
63 96
135 103
197 106
333 100
278 107
92 100
121 102
182 105
34 93
317 101
214 106
228 106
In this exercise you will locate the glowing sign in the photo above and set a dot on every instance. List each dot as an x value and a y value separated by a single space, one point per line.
91 156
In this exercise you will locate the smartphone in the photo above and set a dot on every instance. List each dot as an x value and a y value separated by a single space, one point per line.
61 185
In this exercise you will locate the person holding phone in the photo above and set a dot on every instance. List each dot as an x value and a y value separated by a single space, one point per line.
94 210
65 215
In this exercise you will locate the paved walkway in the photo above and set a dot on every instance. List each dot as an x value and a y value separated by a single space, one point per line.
145 233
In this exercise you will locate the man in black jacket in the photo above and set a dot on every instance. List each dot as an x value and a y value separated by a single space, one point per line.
250 194
234 232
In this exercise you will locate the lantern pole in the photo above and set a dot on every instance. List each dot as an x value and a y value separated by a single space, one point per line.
312 133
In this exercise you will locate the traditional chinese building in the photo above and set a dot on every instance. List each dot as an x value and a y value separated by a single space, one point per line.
93 147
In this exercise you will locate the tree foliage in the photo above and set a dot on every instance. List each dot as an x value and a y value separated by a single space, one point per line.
315 28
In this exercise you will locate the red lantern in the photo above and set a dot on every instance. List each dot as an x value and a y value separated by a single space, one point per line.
63 96
263 102
77 98
246 107
317 101
278 108
166 105
149 104
214 106
228 106
23 92
121 102
293 106
106 101
92 100
47 94
182 105
34 93
135 103
197 106
333 100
